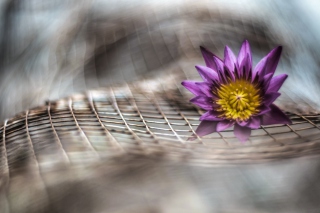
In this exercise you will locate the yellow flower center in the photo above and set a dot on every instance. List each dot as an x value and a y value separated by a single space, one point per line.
238 100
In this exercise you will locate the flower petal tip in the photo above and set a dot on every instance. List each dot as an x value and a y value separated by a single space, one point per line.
192 138
192 87
206 127
276 82
203 49
242 133
275 116
206 73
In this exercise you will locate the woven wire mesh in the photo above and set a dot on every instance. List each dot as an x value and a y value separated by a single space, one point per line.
151 117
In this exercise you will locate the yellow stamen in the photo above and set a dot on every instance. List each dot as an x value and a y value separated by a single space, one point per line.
238 100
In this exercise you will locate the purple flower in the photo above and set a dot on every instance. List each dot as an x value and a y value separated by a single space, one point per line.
234 94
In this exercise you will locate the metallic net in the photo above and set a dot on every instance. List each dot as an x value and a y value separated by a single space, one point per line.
149 117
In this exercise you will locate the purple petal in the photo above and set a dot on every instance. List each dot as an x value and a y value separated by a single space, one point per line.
244 50
243 123
229 74
229 59
266 81
203 102
273 59
207 74
260 68
218 62
208 58
225 124
264 109
222 77
245 58
242 133
205 88
245 69
206 127
211 116
274 116
254 122
269 63
192 87
276 82
220 69
270 98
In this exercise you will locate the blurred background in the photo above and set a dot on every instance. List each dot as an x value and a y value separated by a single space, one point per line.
53 49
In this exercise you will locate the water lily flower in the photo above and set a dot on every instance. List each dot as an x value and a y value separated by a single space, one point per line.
233 93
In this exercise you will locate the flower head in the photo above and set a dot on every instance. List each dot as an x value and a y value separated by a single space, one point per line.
233 93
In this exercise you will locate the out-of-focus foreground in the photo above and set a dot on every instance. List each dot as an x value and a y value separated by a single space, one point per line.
50 50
